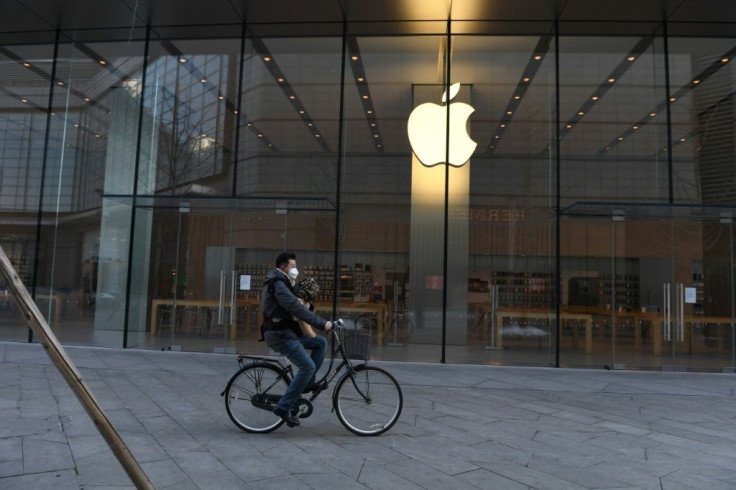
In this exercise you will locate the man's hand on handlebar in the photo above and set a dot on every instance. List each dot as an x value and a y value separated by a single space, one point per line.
328 326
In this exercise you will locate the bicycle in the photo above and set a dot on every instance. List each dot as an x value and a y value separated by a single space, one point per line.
367 399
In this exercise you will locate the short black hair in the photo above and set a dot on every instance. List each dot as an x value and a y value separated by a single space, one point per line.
283 258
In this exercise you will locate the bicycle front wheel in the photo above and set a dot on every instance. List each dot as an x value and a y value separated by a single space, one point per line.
251 380
369 402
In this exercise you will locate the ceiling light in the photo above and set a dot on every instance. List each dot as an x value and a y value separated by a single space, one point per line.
270 145
182 60
203 80
696 82
498 137
672 99
24 100
682 140
580 113
595 97
652 114
76 125
723 60
260 135
280 79
235 112
569 126
292 97
60 83
608 148
102 62
97 135
503 125
266 59
509 113
373 125
376 136
354 57
316 136
611 80
517 97
635 128
309 124
525 79
26 64
369 112
379 146
365 96
620 138
220 97
538 57
631 58
249 124
360 79
301 111
492 147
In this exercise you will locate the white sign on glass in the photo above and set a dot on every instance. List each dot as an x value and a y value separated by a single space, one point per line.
245 283
690 295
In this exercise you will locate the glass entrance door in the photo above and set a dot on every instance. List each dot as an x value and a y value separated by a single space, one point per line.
659 288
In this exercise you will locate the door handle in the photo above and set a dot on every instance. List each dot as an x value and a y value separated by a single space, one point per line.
667 312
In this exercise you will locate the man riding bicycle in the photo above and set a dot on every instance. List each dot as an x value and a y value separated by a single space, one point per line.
280 306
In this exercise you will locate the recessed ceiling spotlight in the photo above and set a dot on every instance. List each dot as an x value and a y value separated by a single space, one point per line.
620 138
280 79
595 97
652 114
724 60
60 83
292 97
517 97
608 148
316 136
672 99
266 59
203 80
220 97
525 79
696 82
503 125
580 113
102 62
631 58
376 136
508 113
354 57
369 112
235 112
24 100
611 80
87 99
635 128
365 96
26 64
182 60
682 140
569 126
360 79
538 57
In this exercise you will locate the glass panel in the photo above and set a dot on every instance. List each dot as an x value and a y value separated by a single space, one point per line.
392 215
82 273
613 119
702 90
24 99
288 158
507 280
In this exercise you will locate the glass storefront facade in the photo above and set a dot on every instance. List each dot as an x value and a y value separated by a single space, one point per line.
149 179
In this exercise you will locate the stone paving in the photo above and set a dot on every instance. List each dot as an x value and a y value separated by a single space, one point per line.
463 427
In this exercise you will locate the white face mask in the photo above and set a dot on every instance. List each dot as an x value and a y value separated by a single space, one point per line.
293 273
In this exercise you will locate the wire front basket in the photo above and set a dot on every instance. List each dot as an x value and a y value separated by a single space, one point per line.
358 345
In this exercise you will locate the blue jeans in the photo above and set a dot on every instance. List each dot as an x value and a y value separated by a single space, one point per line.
307 365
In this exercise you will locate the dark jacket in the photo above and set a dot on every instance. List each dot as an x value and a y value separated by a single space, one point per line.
281 306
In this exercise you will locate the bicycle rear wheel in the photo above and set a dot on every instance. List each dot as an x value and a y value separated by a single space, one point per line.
254 379
369 402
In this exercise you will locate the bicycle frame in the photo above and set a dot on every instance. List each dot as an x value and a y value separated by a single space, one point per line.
287 370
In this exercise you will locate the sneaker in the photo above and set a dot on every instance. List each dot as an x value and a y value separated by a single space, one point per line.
315 387
286 416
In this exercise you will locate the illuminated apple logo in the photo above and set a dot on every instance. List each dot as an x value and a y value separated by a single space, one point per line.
427 131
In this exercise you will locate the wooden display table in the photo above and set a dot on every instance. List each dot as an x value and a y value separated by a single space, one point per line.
244 303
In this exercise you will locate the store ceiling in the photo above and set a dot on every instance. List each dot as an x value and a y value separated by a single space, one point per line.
41 15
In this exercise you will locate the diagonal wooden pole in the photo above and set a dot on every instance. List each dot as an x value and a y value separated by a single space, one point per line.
64 364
